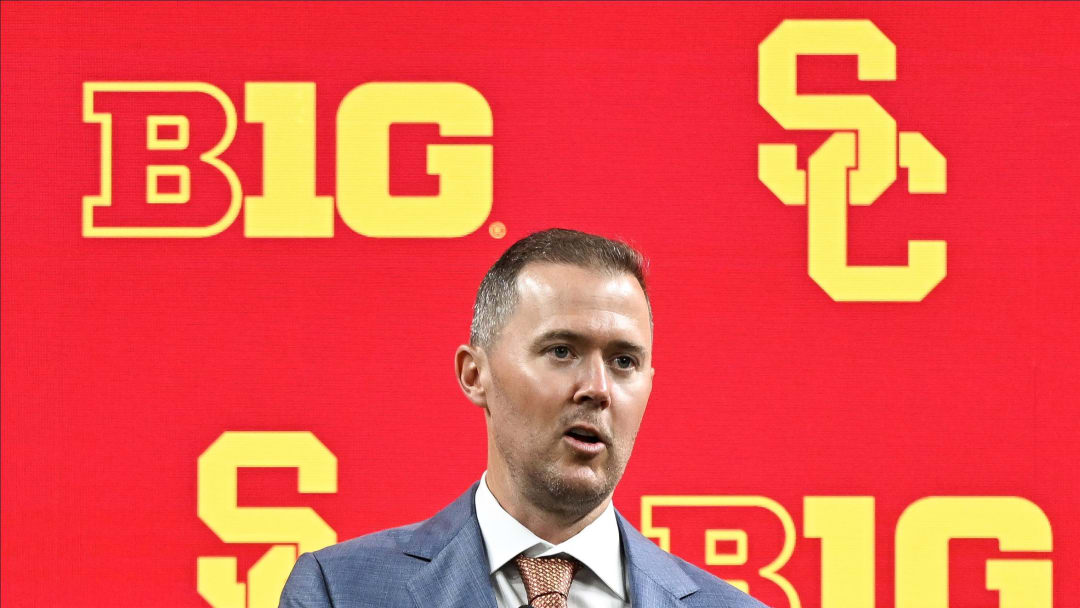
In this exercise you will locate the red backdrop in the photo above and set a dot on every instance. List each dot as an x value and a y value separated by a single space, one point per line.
124 359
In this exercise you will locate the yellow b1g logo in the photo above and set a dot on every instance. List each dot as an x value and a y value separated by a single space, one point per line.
288 206
845 525
836 173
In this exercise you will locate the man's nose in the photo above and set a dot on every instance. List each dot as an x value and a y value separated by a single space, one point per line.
594 386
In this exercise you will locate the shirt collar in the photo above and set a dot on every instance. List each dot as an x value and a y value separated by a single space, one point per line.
598 545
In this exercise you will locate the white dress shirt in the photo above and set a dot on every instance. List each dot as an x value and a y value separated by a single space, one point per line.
600 584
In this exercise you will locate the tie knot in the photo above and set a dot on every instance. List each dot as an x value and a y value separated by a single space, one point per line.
547 579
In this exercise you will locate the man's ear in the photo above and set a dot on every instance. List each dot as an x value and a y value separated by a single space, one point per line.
470 365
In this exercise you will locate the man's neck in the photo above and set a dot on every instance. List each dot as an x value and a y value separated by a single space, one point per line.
554 527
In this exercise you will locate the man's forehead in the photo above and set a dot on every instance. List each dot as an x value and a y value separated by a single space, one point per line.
591 298
545 281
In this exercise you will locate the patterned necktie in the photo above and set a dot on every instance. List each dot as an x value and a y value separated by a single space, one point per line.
547 579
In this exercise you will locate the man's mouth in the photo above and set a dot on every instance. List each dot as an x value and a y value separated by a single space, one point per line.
584 435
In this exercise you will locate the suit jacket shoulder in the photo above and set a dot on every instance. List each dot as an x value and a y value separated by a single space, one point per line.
658 577
438 562
352 572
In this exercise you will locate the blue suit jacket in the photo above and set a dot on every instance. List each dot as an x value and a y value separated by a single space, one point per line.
441 563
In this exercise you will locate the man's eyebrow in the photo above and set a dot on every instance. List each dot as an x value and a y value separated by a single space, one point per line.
573 336
558 334
630 347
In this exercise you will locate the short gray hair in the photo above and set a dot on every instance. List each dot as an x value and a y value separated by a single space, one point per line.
498 294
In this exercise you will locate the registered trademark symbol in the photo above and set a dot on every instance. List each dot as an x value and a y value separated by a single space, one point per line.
497 230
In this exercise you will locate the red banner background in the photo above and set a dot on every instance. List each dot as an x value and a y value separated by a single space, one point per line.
125 359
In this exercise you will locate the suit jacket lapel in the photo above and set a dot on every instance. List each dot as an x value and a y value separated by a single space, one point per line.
656 580
457 572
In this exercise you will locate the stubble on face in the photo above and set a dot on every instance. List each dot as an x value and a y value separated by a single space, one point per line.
538 476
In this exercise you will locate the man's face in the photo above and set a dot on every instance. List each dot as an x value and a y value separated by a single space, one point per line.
570 375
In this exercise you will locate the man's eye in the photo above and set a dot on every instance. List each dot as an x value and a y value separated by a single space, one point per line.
561 352
625 362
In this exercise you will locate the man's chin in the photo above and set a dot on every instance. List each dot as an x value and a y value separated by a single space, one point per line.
578 486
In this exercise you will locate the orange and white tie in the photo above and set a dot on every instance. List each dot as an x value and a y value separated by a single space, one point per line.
547 579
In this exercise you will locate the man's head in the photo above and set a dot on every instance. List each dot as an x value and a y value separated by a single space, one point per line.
560 359
498 291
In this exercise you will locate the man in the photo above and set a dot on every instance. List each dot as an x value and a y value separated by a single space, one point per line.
559 360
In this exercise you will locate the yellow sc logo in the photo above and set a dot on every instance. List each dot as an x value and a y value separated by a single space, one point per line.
290 530
839 170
